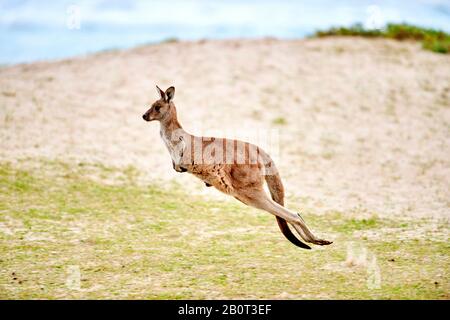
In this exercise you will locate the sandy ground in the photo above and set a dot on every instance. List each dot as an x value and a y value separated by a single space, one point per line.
357 126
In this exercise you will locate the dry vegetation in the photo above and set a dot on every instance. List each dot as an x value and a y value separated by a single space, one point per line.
361 136
66 236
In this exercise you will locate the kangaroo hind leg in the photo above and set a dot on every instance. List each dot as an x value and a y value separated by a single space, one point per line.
259 199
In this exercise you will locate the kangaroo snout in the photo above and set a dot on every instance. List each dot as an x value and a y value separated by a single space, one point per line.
145 117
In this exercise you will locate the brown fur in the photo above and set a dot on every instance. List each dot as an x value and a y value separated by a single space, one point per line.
241 176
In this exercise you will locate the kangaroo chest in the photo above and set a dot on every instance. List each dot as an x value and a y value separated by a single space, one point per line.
175 145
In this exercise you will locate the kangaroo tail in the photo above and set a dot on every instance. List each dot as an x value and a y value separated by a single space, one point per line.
284 227
276 189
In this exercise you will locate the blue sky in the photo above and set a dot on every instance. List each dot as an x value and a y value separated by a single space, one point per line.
41 29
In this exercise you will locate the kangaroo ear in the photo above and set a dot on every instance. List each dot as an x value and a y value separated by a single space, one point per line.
161 93
170 93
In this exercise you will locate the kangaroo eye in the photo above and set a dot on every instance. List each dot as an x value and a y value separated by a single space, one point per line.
157 108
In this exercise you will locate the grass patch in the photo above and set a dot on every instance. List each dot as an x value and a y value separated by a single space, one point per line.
434 40
66 234
350 225
279 121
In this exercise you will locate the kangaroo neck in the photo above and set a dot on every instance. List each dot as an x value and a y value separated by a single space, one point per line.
170 125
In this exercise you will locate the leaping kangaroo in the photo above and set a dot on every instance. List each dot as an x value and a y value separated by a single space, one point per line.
234 167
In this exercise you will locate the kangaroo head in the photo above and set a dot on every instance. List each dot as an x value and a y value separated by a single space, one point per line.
162 108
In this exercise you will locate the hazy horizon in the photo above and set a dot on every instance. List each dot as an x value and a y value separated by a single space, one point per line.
33 30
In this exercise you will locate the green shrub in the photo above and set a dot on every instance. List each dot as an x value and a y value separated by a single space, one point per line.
434 40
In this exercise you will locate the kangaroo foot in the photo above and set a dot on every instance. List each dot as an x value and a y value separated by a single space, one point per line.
307 235
321 242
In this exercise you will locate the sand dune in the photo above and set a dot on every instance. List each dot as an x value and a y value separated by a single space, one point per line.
357 125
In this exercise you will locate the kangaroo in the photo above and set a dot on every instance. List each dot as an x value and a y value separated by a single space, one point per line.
234 167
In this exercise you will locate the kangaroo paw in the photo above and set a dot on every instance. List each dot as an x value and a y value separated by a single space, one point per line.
321 242
207 184
307 235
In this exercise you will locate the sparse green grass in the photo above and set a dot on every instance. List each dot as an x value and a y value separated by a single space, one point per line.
279 121
434 40
146 242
